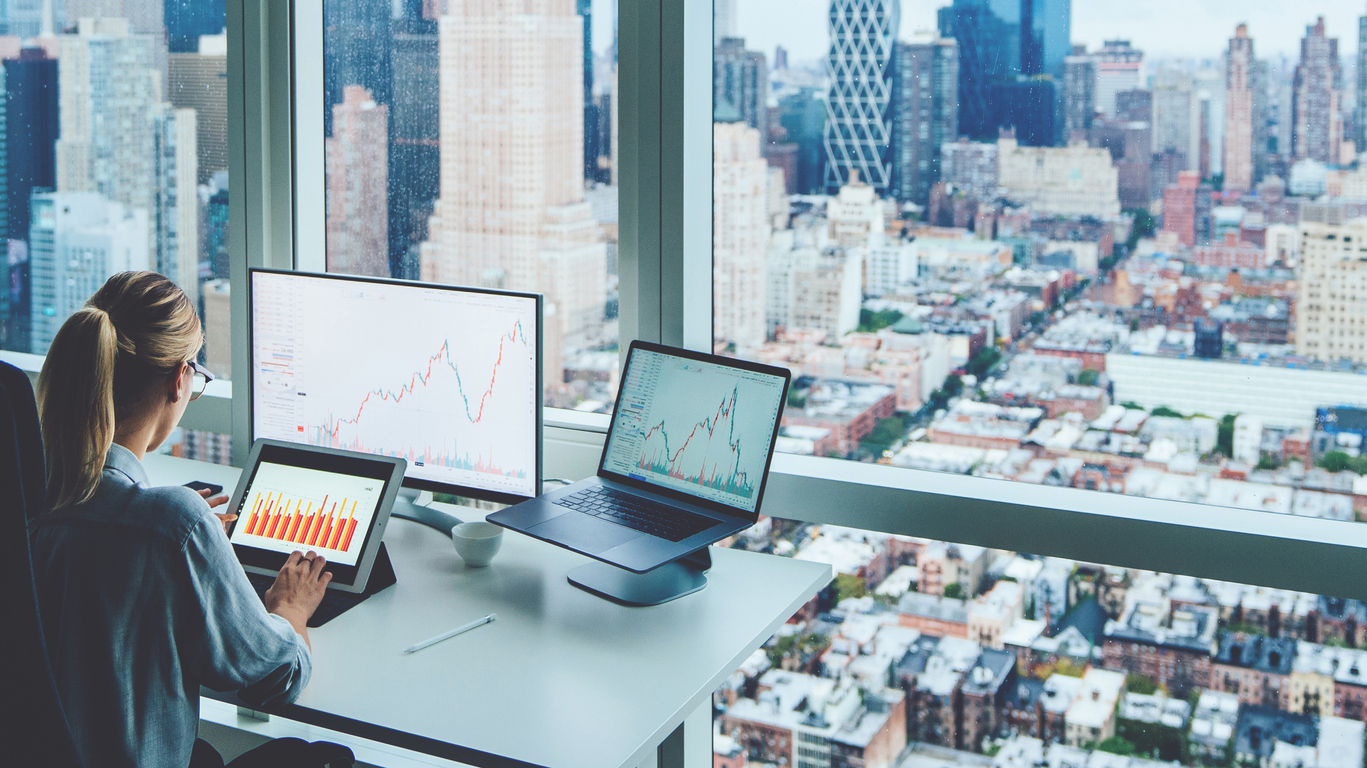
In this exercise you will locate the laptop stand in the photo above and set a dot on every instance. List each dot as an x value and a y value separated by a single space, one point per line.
658 585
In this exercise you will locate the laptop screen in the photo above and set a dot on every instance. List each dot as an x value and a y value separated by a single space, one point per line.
702 428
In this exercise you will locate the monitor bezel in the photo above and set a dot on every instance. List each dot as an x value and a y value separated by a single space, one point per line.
715 506
409 481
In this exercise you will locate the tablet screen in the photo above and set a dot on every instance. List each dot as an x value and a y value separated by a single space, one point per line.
298 500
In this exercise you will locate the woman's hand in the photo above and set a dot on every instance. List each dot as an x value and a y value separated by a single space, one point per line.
218 501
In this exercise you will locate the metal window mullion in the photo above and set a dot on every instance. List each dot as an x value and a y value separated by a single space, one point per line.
260 200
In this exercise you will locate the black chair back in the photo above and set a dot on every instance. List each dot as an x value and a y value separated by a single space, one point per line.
33 727
32 465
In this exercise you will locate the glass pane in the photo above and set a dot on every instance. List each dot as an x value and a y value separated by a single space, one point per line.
474 144
1078 245
925 653
115 157
1092 255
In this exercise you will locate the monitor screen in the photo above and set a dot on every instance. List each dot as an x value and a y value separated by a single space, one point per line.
701 428
447 378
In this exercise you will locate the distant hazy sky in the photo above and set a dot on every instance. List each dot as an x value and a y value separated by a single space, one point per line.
1161 28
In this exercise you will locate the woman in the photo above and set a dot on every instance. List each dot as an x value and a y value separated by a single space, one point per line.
142 599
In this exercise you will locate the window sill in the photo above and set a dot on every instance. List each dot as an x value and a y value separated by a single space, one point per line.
1262 548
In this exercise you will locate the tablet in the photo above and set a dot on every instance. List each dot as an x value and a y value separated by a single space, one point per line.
297 497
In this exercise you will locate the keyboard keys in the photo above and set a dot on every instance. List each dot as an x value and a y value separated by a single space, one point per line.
624 509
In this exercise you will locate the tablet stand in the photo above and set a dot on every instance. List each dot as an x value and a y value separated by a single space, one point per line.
337 602
658 585
381 573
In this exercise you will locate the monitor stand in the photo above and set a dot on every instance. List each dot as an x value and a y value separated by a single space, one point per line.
658 585
406 507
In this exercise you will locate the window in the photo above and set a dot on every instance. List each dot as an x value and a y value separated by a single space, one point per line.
115 157
958 241
944 309
475 144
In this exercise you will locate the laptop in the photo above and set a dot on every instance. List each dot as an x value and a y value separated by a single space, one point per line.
684 465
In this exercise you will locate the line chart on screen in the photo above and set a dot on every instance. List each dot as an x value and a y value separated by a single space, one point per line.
445 380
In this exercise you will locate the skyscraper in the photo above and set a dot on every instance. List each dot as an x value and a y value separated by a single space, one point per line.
591 150
78 240
1079 96
985 57
357 178
1240 82
175 212
740 235
32 118
511 211
925 112
1176 120
740 86
1360 112
356 40
1317 125
1117 69
414 141
25 19
858 126
803 117
198 80
120 139
1040 32
1026 105
145 17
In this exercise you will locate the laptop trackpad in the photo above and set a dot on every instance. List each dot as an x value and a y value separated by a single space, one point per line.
585 533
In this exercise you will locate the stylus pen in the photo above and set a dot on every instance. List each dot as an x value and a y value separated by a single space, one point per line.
451 634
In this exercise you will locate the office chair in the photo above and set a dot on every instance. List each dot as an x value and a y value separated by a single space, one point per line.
33 727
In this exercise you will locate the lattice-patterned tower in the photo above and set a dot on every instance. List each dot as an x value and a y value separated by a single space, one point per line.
858 123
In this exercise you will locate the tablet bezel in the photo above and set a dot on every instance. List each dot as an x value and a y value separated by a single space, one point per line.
345 578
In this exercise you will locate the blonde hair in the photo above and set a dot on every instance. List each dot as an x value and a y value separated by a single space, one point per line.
135 331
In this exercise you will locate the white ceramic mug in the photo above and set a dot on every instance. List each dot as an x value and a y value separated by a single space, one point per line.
477 543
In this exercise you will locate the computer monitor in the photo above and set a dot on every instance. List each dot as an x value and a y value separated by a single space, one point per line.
446 377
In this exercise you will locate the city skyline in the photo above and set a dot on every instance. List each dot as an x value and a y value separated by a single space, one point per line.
1277 27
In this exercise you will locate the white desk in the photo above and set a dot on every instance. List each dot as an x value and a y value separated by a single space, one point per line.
562 678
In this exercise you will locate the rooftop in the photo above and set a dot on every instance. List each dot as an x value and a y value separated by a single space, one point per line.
1264 654
1096 700
990 673
1155 708
1259 728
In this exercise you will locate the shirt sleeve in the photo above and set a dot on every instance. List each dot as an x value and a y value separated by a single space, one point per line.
242 647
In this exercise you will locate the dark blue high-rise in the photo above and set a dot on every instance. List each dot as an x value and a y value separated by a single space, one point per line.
32 116
591 149
988 54
1002 42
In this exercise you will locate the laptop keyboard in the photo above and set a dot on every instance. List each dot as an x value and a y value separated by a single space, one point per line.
335 602
638 514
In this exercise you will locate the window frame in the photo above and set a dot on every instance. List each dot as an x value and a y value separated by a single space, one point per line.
666 292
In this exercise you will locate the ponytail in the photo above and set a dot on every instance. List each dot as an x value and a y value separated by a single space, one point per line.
100 368
76 399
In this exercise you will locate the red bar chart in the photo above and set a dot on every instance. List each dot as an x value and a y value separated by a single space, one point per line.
328 525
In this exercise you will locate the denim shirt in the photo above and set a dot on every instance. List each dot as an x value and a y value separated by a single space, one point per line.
142 602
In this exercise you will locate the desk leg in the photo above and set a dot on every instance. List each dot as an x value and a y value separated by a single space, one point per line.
690 745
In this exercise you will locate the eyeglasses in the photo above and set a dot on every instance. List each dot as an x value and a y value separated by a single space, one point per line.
201 379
